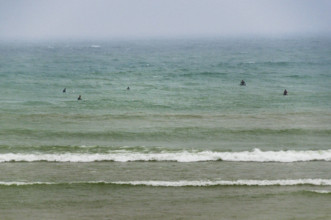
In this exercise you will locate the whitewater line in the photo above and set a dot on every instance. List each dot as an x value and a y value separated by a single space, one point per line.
187 183
255 155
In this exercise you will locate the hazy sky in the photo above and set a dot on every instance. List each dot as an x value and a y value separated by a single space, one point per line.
43 19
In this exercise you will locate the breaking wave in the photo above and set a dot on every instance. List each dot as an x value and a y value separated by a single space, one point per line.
320 191
197 183
127 155
317 182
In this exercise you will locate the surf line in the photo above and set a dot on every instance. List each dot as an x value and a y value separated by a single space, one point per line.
187 183
180 156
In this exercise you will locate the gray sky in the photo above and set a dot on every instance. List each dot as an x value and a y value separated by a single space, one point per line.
47 19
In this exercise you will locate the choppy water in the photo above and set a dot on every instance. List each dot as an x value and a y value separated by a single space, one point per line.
184 142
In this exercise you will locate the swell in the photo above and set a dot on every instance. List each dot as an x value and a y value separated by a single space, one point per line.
179 132
127 155
159 116
186 183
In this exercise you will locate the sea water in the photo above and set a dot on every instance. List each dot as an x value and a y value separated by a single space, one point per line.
164 130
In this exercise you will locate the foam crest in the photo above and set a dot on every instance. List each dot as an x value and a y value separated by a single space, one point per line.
321 191
25 183
194 183
317 182
180 156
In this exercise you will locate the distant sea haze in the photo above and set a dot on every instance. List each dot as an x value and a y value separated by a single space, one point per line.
164 129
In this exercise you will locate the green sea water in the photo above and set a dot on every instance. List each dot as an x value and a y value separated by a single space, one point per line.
184 141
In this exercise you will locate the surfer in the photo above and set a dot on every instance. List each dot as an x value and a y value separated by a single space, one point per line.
79 97
64 90
285 92
242 83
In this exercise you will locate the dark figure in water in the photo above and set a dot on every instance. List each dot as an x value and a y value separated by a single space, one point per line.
242 83
285 92
79 97
64 90
128 88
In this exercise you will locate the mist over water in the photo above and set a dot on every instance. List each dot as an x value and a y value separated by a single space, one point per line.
103 19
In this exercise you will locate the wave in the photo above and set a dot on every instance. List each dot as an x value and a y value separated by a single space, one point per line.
127 155
317 182
320 191
258 63
205 73
278 63
163 132
196 183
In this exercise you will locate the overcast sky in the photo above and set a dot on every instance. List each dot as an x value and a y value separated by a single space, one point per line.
107 19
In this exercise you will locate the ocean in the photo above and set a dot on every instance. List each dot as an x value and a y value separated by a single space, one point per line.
164 130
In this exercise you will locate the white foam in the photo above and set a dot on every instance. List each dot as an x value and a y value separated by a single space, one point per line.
182 156
25 183
318 182
195 183
321 191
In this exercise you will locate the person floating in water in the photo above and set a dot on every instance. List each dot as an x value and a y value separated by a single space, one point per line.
64 90
285 92
242 83
128 88
79 97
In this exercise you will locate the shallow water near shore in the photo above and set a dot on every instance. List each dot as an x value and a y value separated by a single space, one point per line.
186 141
